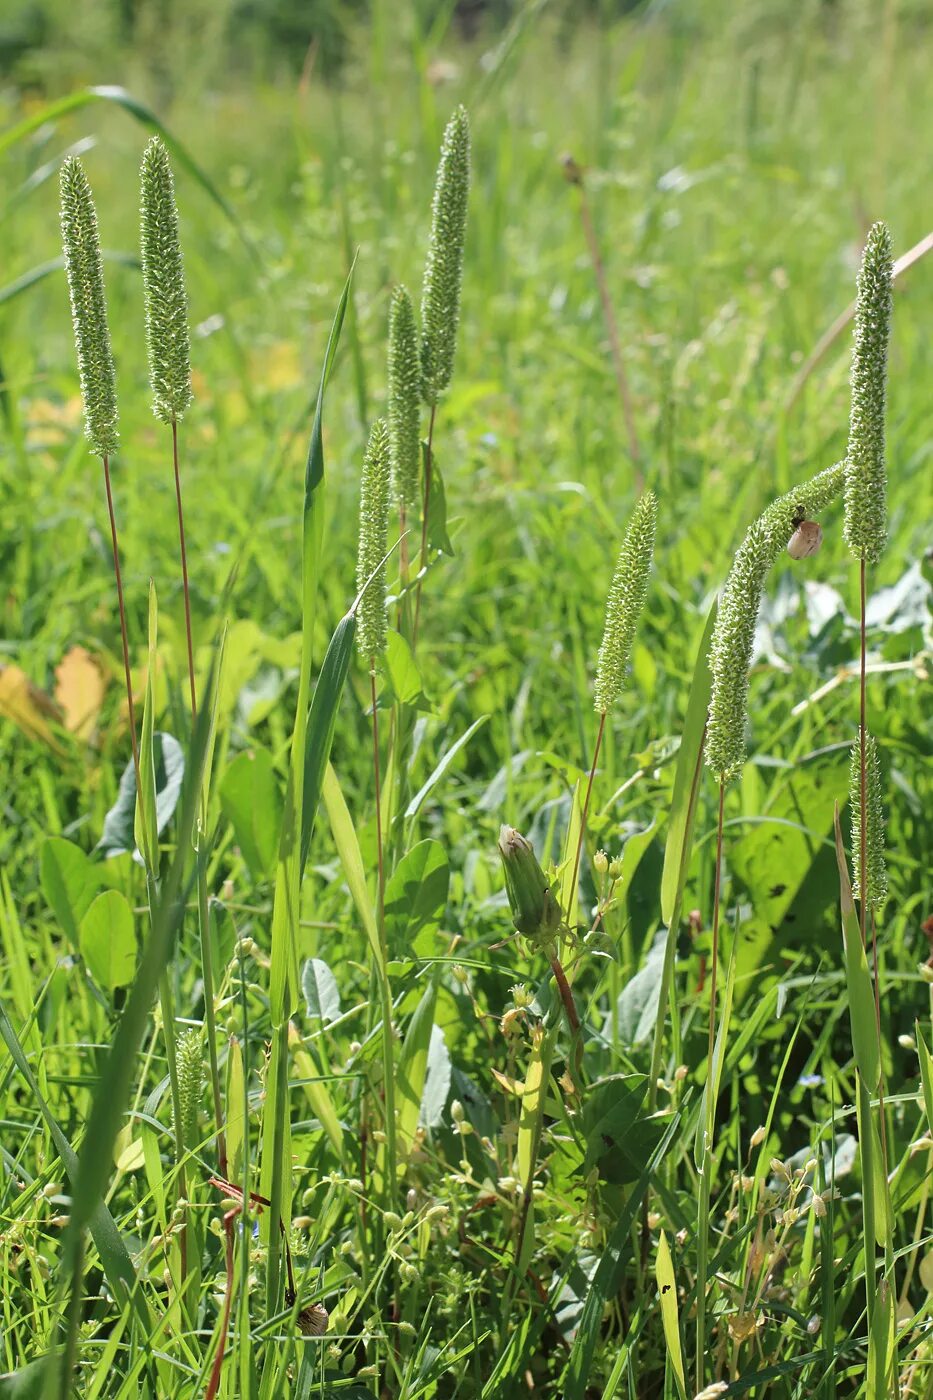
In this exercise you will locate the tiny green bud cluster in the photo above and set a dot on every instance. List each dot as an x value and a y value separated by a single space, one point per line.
166 298
404 400
85 272
374 528
734 634
627 594
534 905
876 875
865 512
443 270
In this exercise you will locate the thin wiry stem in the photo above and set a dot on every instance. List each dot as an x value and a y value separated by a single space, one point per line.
124 638
615 345
717 890
703 1206
586 804
380 888
424 522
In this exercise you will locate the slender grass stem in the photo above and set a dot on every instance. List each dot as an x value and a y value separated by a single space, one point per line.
426 506
124 638
380 862
612 327
714 955
586 804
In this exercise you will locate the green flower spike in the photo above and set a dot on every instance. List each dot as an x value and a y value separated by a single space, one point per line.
166 299
627 594
404 401
865 513
534 905
443 271
734 634
85 271
876 876
190 1058
374 529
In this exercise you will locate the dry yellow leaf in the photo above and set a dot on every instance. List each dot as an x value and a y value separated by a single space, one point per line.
28 707
79 689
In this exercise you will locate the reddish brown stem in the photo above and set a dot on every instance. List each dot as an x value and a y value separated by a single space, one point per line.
184 573
213 1383
618 364
123 632
714 956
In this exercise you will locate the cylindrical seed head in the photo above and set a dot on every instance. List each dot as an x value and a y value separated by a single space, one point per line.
85 271
876 875
624 603
865 514
443 270
166 299
404 398
371 625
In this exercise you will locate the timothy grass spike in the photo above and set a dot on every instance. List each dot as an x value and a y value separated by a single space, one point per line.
627 594
374 527
404 398
734 634
876 875
865 512
166 298
443 271
85 271
191 1082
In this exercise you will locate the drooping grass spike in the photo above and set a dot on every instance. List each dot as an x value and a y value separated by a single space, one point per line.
734 634
85 271
443 271
404 398
167 336
626 598
865 507
374 527
876 875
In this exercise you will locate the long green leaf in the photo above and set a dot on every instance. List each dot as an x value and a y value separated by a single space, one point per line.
119 97
351 858
322 721
413 1067
114 1255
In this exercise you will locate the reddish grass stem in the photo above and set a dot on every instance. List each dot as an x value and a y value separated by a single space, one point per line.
123 631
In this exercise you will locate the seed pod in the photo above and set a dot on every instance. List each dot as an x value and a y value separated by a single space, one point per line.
534 905
805 540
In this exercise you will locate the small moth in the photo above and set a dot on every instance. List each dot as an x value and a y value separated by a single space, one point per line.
806 539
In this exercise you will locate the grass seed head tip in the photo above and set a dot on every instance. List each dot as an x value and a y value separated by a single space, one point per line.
624 603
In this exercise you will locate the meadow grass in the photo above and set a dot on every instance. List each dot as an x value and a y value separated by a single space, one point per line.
667 1126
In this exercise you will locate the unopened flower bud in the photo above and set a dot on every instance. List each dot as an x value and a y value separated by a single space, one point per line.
757 1137
600 862
535 909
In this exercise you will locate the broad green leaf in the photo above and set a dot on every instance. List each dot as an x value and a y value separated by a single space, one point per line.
107 941
413 1067
402 673
437 1080
447 758
639 1003
322 721
667 1294
319 985
348 849
882 1352
118 834
416 897
69 881
252 803
618 1136
437 535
